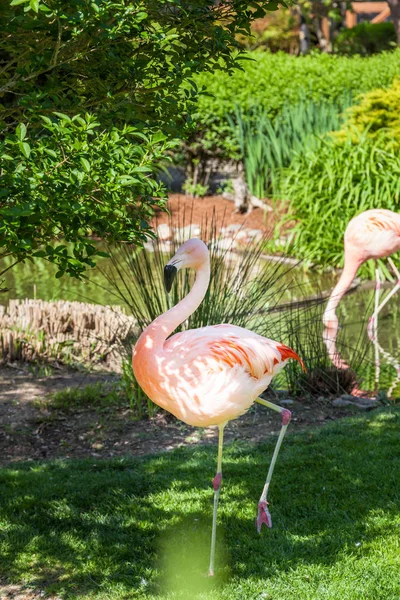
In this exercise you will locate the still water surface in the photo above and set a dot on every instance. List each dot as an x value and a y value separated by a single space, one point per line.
37 281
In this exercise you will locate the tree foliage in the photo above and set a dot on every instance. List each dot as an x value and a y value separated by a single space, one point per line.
74 180
122 59
119 72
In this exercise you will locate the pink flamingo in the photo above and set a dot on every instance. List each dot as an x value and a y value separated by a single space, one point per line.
210 375
372 234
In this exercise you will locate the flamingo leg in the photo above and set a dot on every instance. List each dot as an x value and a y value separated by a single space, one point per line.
263 512
375 326
216 485
378 307
373 322
386 300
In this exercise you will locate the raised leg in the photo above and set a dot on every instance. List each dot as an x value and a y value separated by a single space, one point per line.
263 512
216 485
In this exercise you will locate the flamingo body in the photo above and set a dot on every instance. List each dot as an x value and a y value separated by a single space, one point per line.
210 375
373 234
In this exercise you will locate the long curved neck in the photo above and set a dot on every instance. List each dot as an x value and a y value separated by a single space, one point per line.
348 274
165 324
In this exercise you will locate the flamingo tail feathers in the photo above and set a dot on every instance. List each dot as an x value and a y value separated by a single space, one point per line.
287 352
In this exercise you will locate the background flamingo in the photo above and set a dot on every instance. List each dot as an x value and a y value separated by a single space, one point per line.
210 375
372 234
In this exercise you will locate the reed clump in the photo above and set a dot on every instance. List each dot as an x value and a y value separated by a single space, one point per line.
32 330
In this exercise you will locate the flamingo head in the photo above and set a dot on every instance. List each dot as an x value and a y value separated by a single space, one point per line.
192 253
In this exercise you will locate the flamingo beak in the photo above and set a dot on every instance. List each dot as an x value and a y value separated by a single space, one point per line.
170 272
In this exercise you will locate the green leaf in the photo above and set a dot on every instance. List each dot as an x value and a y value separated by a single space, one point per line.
59 274
85 164
159 137
62 116
127 180
16 2
34 4
21 131
25 149
51 152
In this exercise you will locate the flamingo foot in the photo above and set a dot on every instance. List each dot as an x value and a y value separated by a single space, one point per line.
263 516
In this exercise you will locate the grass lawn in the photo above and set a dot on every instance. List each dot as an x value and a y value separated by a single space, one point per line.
140 528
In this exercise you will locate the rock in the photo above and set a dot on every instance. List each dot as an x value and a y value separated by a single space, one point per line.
241 235
358 400
162 246
339 402
181 234
286 402
233 228
164 231
224 244
255 235
361 403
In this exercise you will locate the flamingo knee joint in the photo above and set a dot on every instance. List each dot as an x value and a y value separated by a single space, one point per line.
286 416
217 482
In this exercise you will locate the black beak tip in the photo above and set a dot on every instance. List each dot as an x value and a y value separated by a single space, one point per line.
169 275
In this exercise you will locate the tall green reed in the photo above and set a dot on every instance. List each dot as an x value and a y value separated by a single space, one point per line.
241 283
331 183
268 146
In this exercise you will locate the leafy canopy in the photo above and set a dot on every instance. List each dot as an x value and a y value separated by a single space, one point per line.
88 91
72 181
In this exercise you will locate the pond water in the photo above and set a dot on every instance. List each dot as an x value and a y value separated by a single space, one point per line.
37 281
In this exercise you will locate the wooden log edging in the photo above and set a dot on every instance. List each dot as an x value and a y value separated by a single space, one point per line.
67 331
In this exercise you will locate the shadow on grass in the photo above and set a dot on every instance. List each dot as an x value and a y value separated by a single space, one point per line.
115 527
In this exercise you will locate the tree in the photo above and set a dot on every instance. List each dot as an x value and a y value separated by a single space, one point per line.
83 82
72 181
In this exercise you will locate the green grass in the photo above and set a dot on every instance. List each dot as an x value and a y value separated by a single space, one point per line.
140 528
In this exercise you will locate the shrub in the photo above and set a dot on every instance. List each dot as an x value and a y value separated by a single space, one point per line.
366 38
72 180
273 81
377 110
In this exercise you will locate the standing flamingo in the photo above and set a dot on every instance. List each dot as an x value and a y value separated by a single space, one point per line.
372 234
210 375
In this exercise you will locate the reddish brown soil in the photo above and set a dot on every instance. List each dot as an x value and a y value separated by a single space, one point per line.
185 210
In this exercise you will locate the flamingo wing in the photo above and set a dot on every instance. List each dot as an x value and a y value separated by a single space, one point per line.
228 346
